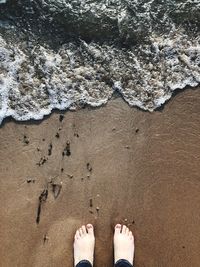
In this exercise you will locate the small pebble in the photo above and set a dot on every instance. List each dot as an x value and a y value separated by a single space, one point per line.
46 238
26 141
89 167
29 180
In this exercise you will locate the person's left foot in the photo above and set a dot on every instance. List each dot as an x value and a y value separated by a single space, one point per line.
84 244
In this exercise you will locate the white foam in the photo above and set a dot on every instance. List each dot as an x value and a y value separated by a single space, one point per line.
34 83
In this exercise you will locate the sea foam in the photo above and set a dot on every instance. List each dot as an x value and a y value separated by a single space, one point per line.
36 78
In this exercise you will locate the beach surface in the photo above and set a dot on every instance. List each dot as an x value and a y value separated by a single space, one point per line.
108 165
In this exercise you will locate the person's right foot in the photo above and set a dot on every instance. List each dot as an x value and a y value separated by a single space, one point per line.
123 244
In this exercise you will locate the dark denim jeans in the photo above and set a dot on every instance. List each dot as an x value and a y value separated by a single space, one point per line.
120 263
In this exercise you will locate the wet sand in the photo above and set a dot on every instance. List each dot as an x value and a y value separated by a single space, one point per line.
106 165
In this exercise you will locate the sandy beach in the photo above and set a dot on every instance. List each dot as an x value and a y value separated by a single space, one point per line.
105 165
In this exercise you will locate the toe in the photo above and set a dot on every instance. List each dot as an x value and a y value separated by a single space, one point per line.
118 228
130 234
133 238
80 232
77 235
90 229
127 231
124 229
83 229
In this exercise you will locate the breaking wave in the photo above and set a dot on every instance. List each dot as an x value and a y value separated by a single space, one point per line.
66 54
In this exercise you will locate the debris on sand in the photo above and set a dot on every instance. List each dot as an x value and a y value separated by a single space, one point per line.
42 161
56 189
42 199
45 238
97 209
50 149
67 151
25 140
61 118
89 167
57 135
91 203
30 180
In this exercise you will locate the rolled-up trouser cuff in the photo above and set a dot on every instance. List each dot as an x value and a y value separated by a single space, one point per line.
84 263
123 263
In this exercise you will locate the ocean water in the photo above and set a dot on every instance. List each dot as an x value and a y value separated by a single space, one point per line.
66 54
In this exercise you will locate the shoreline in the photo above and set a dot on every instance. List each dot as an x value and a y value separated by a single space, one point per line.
116 95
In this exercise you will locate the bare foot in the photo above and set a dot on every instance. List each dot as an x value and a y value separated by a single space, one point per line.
123 244
84 244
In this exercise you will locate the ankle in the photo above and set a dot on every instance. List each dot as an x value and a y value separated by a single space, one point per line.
84 263
123 263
